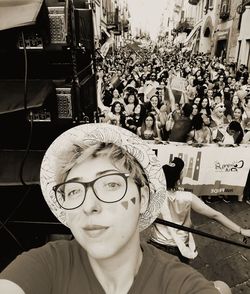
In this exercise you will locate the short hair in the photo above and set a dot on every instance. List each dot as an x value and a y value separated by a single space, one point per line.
118 156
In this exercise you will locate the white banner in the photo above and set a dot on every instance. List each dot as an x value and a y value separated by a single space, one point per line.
178 83
210 170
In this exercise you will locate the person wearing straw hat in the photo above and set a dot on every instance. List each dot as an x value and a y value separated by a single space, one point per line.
107 186
179 204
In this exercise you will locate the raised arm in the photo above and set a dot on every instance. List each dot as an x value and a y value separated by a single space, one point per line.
201 208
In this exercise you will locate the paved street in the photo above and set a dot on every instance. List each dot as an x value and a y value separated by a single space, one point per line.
221 261
218 260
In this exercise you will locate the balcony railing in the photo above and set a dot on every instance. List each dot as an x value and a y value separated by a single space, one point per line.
225 9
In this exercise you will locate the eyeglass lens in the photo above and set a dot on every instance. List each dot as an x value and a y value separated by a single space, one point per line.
108 188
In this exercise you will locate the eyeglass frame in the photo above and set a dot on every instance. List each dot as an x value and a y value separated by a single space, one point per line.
90 184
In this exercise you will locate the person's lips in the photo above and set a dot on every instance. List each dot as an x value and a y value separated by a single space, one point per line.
95 231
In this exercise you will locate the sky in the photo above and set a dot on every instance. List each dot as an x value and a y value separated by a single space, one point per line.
146 14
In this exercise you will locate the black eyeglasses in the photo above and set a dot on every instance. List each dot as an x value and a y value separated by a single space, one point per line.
108 188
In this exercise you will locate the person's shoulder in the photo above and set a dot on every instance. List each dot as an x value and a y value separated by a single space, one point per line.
173 275
58 249
161 258
183 195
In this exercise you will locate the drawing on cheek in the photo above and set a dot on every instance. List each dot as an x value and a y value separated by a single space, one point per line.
133 200
125 204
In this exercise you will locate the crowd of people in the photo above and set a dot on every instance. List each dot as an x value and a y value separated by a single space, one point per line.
137 91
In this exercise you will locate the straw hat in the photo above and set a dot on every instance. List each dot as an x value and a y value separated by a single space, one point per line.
64 148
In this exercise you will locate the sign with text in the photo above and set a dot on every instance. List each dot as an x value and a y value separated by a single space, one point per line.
178 83
209 170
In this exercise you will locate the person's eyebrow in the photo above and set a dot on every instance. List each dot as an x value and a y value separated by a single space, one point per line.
97 174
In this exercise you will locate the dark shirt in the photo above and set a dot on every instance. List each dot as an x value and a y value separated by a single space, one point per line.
180 130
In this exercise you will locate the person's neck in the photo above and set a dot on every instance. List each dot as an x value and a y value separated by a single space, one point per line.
116 274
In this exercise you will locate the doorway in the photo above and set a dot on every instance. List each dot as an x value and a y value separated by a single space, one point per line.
221 49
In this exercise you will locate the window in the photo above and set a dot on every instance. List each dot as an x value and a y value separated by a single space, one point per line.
225 9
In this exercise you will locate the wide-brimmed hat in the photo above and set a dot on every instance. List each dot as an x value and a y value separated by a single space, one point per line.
63 150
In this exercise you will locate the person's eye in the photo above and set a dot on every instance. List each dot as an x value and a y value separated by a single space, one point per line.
73 193
110 186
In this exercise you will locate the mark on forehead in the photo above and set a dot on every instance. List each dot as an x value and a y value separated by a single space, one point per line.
125 204
133 199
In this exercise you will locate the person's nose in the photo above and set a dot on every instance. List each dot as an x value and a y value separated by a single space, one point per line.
91 204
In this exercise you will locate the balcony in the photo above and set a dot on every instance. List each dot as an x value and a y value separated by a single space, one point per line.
193 2
225 9
224 15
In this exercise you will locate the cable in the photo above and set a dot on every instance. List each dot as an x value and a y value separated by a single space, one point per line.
16 208
3 224
198 232
26 151
25 103
12 235
25 75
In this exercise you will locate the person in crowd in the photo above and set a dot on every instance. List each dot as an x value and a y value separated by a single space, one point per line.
246 107
237 115
233 135
246 87
117 97
218 118
182 126
200 133
134 121
96 178
131 101
116 116
149 129
154 104
230 107
204 106
191 89
195 110
180 204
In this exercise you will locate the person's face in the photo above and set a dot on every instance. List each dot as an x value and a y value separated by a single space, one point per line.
115 93
220 112
210 93
153 77
195 109
131 99
197 100
149 121
235 99
154 101
204 103
118 108
217 99
99 227
237 113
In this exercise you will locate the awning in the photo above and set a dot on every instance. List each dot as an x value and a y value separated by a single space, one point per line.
194 32
18 13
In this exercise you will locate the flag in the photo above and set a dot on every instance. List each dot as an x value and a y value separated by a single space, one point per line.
105 47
